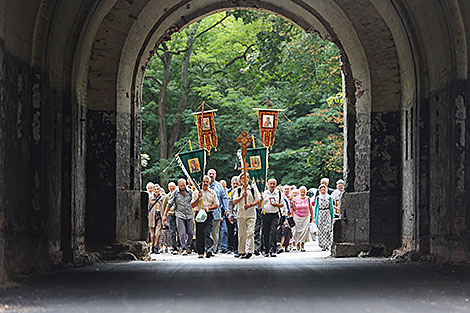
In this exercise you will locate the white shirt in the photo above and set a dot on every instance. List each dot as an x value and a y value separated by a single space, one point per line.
209 198
336 194
270 198
252 195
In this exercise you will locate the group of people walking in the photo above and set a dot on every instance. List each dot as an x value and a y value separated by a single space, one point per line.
240 219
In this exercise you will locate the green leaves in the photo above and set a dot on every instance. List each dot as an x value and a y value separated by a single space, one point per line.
235 66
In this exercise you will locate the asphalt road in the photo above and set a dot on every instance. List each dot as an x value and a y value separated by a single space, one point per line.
293 282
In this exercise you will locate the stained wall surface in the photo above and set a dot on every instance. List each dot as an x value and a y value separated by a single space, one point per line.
70 95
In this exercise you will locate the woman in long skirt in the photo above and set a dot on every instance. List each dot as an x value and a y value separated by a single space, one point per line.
303 214
324 213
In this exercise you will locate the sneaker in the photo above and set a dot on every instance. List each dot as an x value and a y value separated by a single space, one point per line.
175 252
287 250
208 254
248 255
280 250
257 252
302 250
266 255
239 256
273 255
185 252
224 251
200 256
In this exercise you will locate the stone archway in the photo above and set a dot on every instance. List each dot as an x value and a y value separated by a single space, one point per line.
70 86
375 91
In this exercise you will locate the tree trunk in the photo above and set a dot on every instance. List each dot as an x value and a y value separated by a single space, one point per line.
184 90
166 60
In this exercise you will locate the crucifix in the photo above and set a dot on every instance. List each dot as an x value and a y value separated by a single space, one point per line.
244 141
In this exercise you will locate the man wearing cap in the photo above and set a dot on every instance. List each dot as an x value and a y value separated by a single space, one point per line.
246 202
336 195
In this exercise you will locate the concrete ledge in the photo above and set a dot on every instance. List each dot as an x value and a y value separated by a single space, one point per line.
344 250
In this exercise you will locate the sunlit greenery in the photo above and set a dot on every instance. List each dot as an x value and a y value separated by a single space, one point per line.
235 61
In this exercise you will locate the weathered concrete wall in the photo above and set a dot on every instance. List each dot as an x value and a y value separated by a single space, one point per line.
23 224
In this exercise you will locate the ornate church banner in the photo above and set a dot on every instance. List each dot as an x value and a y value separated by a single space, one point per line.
193 164
268 119
206 129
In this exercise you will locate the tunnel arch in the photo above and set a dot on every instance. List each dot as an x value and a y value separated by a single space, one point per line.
373 81
70 84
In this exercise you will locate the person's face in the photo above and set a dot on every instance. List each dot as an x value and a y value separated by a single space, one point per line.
234 184
171 188
302 192
295 193
340 187
224 184
322 190
205 183
156 190
325 183
286 191
212 175
150 189
272 185
182 185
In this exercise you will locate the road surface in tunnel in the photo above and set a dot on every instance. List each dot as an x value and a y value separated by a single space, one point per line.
292 282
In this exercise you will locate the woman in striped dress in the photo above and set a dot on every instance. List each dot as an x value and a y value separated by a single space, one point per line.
324 214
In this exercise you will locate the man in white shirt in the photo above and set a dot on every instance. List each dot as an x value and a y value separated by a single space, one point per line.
336 195
205 199
273 202
246 202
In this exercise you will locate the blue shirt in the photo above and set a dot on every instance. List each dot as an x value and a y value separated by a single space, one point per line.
223 199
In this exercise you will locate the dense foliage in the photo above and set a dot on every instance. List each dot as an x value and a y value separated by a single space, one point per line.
234 61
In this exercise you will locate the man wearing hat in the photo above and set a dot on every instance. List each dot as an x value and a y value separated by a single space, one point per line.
336 195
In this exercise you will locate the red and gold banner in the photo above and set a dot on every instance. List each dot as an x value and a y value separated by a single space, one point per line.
206 129
268 119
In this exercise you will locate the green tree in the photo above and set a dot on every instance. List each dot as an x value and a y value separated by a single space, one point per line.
234 61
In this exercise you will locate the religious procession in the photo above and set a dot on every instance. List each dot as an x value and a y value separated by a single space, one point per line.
251 216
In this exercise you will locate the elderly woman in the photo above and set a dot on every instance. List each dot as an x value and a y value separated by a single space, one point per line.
303 214
324 214
155 218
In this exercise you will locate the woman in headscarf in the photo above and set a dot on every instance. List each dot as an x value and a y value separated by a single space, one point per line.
303 215
324 214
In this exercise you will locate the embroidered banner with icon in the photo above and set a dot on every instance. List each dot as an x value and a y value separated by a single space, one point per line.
268 119
206 129
257 161
193 164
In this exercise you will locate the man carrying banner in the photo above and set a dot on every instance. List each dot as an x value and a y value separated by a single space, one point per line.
205 199
246 216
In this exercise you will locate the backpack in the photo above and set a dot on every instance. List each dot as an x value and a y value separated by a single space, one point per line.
240 188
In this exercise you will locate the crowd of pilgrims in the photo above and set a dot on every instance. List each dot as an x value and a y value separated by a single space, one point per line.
245 222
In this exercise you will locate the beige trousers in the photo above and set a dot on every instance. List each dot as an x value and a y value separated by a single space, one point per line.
246 234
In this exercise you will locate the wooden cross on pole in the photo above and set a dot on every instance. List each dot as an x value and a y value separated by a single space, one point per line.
244 141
